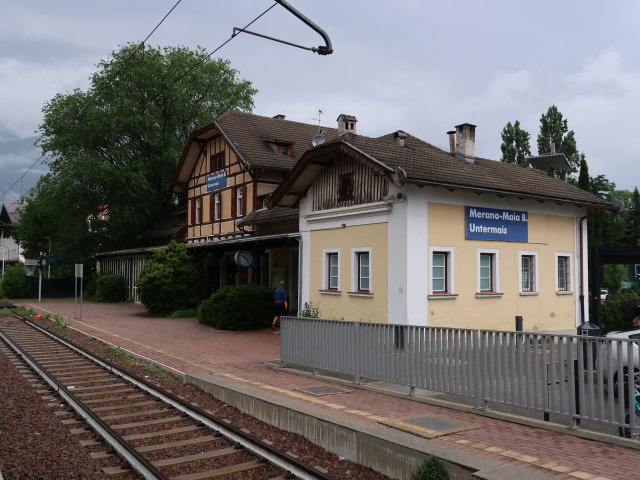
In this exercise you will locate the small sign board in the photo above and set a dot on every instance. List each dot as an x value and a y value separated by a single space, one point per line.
79 270
31 262
216 181
496 224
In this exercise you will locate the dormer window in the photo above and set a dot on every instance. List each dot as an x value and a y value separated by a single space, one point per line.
281 148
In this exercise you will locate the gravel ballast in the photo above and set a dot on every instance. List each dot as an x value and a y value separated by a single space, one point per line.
35 444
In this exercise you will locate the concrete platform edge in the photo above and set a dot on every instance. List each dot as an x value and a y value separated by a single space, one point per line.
391 452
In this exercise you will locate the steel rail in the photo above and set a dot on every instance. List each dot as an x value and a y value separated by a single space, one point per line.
251 443
137 461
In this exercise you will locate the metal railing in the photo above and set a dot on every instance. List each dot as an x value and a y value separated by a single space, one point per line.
571 375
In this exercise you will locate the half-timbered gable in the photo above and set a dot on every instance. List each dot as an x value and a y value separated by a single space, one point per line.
229 167
220 192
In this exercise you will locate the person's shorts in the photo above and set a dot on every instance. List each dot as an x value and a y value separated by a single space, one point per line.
278 309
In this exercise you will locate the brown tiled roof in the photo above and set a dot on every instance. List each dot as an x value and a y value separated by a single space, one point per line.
423 163
263 216
250 133
169 228
427 164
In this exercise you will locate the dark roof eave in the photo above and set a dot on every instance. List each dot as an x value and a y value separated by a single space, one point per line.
606 205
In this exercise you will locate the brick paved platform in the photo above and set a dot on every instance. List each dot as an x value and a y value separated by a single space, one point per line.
384 427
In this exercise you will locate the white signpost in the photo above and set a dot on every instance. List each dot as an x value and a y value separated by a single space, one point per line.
37 262
79 273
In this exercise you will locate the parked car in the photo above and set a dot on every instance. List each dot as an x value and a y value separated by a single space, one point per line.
607 357
604 293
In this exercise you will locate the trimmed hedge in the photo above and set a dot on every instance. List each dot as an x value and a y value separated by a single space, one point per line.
238 307
110 289
14 282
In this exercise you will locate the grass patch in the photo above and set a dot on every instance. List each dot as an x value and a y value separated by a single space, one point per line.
116 351
5 312
157 371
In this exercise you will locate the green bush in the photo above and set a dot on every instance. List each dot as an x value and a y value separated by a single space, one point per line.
241 307
169 281
430 469
110 288
90 290
189 312
619 309
310 310
14 282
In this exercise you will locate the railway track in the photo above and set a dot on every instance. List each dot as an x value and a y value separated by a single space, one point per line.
156 433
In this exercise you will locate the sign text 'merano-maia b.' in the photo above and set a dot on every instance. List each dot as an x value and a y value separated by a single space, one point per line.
216 181
494 224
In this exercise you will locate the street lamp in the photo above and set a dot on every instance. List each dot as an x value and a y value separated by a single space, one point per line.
6 249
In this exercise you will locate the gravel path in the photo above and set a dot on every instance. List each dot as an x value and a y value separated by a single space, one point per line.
34 444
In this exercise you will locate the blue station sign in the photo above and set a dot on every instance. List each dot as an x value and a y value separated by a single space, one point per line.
494 224
216 181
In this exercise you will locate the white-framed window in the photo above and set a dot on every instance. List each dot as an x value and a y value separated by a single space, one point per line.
564 276
442 272
361 270
488 271
239 202
331 270
528 272
217 206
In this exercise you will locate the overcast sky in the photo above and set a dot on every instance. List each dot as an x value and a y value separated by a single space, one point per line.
417 65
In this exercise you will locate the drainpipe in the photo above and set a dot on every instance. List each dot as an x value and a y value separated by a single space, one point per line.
300 257
582 220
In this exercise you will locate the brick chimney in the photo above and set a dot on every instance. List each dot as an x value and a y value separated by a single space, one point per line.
466 141
346 124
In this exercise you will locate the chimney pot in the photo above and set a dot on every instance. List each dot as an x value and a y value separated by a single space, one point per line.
452 141
466 141
346 124
400 136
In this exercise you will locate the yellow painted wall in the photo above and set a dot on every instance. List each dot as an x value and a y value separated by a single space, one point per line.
345 306
548 310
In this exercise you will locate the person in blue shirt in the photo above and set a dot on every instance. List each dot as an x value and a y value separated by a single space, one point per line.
281 303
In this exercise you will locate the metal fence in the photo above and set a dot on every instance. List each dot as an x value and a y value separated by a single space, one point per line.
128 267
571 375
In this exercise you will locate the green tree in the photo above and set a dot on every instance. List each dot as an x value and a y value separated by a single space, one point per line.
583 177
169 281
515 144
554 129
112 150
632 224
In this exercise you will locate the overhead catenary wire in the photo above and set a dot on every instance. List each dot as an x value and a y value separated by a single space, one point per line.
179 77
4 194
